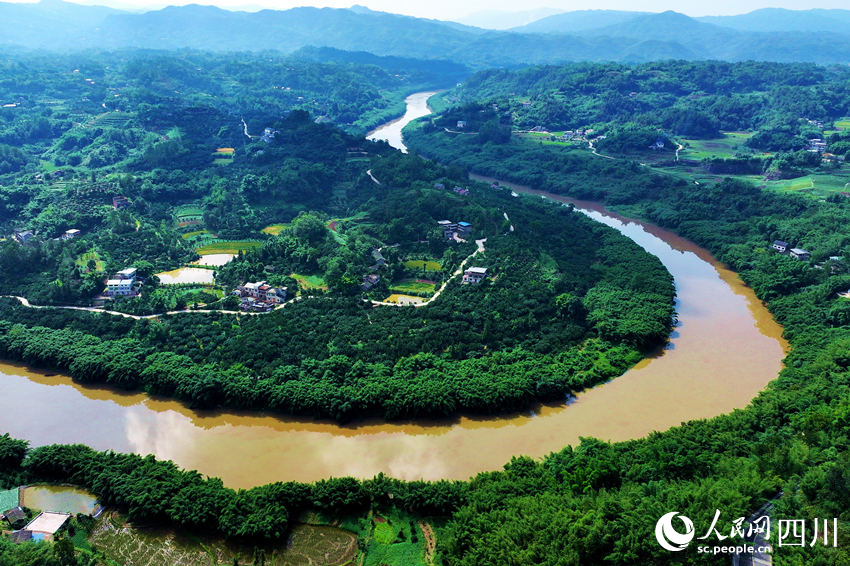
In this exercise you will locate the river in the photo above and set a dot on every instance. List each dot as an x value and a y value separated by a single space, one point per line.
725 349
417 106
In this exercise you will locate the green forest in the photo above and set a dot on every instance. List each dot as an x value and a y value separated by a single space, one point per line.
337 221
567 303
736 461
564 310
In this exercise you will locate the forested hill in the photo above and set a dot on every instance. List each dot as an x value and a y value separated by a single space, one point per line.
694 99
620 36
598 503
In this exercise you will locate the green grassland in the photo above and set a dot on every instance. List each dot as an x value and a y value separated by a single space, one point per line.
843 124
224 247
427 265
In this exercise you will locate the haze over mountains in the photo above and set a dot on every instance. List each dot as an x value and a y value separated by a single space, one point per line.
821 36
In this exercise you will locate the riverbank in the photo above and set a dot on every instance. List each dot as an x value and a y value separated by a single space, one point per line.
725 350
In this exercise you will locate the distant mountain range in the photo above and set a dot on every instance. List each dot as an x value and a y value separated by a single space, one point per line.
500 19
821 36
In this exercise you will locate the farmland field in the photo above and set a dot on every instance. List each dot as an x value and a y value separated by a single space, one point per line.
306 544
815 185
274 229
83 260
727 146
413 286
195 234
427 265
401 299
228 247
188 210
308 282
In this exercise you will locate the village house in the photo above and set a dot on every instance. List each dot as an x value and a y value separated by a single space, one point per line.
24 236
449 228
816 145
119 202
128 273
380 260
800 253
268 135
15 516
780 246
122 284
259 296
70 234
461 124
369 281
474 275
45 526
454 230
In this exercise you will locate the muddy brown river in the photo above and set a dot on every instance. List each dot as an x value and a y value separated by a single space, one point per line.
726 348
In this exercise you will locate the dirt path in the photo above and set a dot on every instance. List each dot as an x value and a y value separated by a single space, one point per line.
430 541
26 303
245 130
595 152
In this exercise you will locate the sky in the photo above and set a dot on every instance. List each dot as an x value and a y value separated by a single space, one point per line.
452 9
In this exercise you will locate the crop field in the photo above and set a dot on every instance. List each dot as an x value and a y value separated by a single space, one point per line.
818 185
83 261
843 124
110 119
306 545
727 146
401 299
547 138
197 234
234 247
274 229
395 539
308 282
188 210
426 265
413 287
